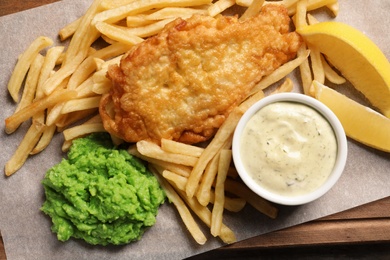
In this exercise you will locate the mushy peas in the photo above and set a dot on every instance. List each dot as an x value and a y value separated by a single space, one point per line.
101 194
288 148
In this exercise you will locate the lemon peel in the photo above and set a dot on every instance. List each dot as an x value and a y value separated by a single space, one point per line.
360 123
356 56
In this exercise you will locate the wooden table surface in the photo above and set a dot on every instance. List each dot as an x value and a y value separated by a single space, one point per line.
362 232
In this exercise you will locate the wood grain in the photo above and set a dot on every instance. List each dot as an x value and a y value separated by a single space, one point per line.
359 229
361 232
14 6
364 224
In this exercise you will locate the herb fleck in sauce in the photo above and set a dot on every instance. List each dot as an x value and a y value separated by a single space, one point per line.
288 148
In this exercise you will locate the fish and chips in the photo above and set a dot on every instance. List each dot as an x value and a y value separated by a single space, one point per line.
179 72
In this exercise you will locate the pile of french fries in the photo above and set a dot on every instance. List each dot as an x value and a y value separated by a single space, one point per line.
62 89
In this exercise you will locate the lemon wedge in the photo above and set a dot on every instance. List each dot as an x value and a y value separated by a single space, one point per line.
360 123
358 58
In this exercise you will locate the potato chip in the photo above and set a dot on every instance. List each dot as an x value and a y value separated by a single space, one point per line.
23 64
20 156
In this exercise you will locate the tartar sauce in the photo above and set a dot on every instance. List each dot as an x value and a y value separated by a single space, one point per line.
288 148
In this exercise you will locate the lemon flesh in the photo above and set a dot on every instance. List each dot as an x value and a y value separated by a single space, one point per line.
356 57
360 123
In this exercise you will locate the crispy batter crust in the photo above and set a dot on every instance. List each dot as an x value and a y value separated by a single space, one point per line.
182 83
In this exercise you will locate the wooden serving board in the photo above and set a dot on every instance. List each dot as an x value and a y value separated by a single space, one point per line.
363 231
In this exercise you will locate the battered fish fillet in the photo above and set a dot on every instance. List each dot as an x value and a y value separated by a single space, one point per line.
182 83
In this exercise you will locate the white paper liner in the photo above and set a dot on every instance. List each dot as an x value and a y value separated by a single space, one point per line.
26 230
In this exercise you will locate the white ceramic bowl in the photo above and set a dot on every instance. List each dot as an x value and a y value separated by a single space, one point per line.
340 157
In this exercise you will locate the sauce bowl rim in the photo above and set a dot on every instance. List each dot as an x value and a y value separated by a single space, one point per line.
341 157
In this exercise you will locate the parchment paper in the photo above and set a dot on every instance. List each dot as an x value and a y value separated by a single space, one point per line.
26 230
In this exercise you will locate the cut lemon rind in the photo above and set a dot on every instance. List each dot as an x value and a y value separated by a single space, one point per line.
360 123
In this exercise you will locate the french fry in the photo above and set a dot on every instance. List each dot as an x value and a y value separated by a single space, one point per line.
23 64
223 135
61 75
180 148
247 3
253 9
60 59
91 51
31 82
247 103
118 33
86 89
101 88
204 190
220 6
51 58
181 170
184 213
304 69
116 14
45 139
69 29
174 12
138 20
217 212
82 130
315 55
330 73
311 19
315 4
98 63
257 202
334 8
66 145
54 113
83 71
80 104
316 64
61 121
108 40
231 204
280 72
12 122
71 118
179 181
300 16
100 76
111 4
84 35
286 86
94 119
311 5
112 61
27 144
226 234
289 3
153 150
112 51
149 29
